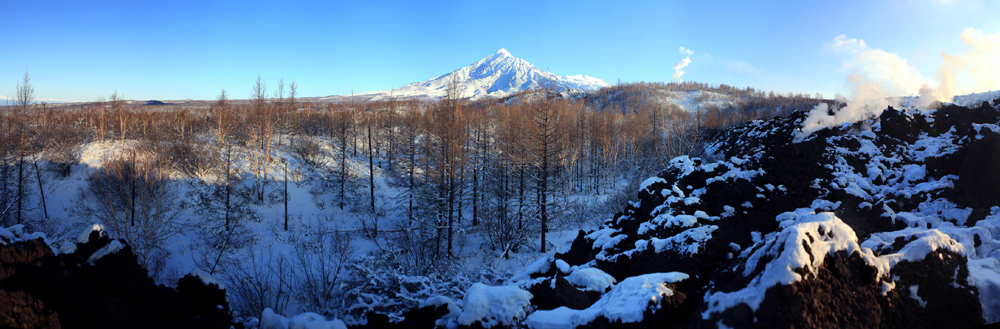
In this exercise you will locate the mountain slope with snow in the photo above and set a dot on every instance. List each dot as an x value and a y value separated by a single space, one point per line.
498 75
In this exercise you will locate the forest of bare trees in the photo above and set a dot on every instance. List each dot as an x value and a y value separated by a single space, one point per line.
506 170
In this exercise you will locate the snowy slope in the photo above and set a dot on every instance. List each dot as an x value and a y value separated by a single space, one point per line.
886 222
498 75
659 95
974 99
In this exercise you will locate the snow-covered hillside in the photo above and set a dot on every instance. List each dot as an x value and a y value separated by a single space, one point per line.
886 222
498 75
685 100
974 99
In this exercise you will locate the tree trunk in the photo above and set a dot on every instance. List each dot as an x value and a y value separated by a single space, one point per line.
41 191
286 196
229 162
20 186
371 183
343 165
132 195
476 169
451 211
543 192
413 165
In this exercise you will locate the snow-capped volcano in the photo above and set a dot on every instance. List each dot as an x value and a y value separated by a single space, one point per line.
497 75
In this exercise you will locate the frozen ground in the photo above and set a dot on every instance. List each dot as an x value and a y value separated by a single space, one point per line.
312 208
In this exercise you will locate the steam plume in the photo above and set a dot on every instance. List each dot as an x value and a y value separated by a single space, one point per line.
679 67
876 76
974 71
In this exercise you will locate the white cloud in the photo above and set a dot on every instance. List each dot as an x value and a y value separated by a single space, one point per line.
686 51
842 44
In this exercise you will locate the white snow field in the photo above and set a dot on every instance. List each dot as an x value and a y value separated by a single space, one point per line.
273 258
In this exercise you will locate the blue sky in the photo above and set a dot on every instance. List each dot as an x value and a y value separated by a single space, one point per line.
192 49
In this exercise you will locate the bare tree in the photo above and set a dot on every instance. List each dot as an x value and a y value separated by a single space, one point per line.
136 191
447 157
258 281
371 184
341 122
223 114
25 96
261 130
118 106
293 90
101 120
409 147
547 118
321 259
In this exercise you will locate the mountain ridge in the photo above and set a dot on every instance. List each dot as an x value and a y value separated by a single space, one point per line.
497 75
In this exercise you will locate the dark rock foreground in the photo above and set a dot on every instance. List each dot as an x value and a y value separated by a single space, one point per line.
39 289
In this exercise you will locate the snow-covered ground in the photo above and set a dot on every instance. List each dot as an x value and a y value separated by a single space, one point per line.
312 213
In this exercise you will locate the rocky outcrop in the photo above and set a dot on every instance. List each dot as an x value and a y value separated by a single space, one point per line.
39 289
886 223
874 224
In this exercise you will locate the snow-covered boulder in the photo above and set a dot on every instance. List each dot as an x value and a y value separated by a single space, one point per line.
494 305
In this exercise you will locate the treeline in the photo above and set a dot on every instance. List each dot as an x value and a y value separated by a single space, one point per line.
720 105
508 170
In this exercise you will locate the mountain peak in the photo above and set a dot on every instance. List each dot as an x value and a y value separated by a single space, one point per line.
497 75
500 56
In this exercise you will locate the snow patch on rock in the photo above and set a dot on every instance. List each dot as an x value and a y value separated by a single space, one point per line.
307 320
591 279
494 305
626 302
112 248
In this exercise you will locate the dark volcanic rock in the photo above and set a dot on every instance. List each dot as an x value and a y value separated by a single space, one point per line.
207 300
842 294
904 177
423 317
898 125
941 282
979 174
545 297
20 310
889 222
115 292
579 252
